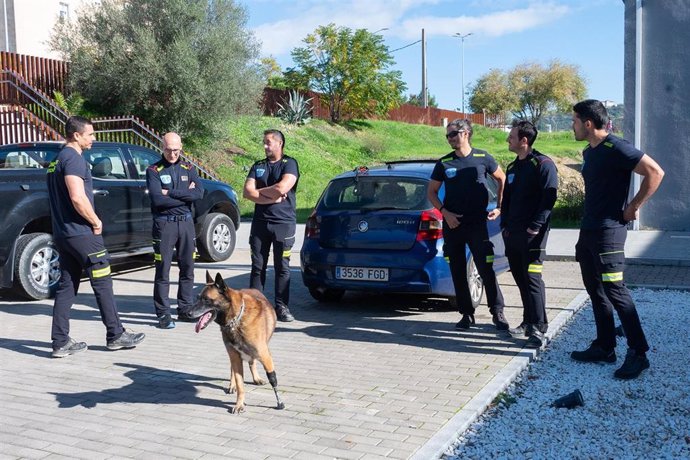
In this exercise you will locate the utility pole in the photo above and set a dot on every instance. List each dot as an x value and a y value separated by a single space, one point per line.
462 71
425 95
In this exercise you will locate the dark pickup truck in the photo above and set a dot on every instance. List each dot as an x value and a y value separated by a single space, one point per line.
29 262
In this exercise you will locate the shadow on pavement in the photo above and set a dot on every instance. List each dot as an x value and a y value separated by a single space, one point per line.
149 385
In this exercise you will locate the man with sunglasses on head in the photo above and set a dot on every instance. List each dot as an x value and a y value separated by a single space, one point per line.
528 198
463 173
173 186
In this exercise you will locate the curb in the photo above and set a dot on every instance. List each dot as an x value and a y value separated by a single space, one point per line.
629 260
449 434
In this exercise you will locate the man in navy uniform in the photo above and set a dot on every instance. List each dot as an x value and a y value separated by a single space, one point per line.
464 171
77 232
528 198
271 184
173 186
608 162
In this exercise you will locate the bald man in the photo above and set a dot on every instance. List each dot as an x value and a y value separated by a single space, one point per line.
173 186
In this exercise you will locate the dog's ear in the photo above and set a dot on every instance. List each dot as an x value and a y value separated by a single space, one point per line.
209 279
220 283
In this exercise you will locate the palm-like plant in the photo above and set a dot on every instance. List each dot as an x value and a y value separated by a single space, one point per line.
296 110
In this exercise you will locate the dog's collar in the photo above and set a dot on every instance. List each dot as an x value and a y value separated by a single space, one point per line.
236 320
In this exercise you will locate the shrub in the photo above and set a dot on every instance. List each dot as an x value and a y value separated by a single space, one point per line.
570 205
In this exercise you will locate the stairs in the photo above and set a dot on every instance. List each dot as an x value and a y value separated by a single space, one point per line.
29 115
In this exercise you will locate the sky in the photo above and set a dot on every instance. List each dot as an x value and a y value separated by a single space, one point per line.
504 33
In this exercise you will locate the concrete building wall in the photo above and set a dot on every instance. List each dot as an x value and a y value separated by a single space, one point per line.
30 23
7 32
664 127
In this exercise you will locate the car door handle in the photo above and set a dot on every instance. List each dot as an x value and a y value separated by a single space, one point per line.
101 192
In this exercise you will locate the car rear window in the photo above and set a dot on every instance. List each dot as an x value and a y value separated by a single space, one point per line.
29 157
371 192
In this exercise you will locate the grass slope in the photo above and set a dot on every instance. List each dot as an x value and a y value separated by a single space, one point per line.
324 150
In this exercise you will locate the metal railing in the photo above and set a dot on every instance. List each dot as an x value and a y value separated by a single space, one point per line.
30 106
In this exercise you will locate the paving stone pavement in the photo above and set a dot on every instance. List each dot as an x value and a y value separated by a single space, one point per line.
371 377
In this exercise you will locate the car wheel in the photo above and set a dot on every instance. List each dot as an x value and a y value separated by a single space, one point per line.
36 266
217 238
326 295
474 281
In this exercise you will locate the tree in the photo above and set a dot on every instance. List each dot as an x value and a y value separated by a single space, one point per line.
529 90
491 93
416 99
350 69
184 65
272 75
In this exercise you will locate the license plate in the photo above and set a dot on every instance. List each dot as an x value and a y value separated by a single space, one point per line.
361 273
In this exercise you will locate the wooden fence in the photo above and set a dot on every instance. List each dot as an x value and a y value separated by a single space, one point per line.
406 113
46 75
17 124
16 91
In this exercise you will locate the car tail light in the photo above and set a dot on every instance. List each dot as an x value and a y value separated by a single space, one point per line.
430 226
312 229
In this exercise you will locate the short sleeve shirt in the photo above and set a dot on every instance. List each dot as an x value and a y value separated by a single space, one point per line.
528 181
267 174
66 220
464 179
606 170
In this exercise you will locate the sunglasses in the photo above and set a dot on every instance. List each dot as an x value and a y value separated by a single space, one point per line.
453 134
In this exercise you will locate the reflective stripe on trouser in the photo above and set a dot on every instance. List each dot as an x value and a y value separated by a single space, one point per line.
602 262
78 253
475 236
168 238
535 268
281 236
525 257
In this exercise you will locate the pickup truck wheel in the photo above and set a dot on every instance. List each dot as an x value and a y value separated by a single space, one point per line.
217 238
36 266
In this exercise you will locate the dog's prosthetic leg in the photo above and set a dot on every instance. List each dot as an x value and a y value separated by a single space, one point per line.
274 383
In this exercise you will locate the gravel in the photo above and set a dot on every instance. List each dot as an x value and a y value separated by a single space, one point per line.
648 417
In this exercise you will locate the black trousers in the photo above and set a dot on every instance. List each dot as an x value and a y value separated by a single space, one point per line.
476 237
282 238
525 256
602 262
169 236
78 253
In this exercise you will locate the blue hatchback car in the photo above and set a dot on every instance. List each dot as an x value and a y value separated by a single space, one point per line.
375 230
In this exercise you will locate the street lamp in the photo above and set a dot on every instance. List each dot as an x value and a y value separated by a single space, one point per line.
380 30
462 81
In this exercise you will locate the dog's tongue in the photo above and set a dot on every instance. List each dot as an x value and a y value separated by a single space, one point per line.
203 321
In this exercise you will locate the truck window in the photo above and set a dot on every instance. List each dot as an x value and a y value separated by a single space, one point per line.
26 158
143 158
106 163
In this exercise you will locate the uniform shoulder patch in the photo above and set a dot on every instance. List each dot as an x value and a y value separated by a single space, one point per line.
186 166
608 144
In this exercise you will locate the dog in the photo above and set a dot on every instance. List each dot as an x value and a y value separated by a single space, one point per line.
247 321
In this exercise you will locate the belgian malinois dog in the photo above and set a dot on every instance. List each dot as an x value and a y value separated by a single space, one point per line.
247 321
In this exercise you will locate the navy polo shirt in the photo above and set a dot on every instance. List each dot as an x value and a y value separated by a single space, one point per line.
66 220
267 174
606 170
465 182
529 193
